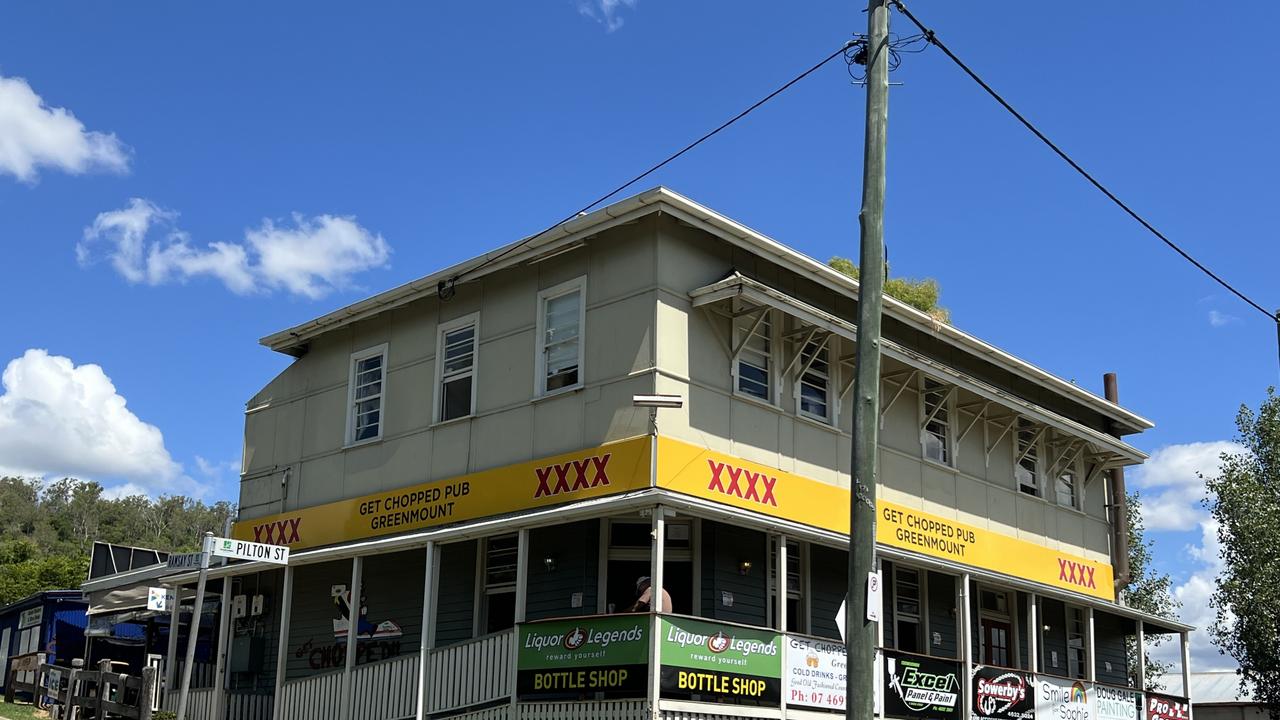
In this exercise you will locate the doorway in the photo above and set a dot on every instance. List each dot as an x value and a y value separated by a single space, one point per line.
628 561
995 642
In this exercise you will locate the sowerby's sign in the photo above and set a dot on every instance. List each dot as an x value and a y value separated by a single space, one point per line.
609 469
732 481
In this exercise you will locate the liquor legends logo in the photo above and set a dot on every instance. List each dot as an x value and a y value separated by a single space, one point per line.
575 638
1076 573
720 642
920 690
1001 693
278 532
578 638
555 479
735 481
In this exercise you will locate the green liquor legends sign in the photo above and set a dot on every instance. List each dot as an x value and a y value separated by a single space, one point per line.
724 662
583 656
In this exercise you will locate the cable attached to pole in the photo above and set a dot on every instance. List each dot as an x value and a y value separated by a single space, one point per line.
447 286
932 38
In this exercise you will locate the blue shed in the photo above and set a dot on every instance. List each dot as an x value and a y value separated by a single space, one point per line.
52 622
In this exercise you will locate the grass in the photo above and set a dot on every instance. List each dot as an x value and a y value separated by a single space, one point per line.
21 711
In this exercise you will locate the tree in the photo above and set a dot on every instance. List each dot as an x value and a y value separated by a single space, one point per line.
1244 499
1148 591
919 294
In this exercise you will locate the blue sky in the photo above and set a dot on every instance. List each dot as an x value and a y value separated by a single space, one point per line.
290 158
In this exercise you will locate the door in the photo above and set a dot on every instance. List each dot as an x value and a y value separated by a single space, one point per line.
4 657
995 642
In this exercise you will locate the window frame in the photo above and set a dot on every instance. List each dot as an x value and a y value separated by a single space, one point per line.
797 566
1037 444
1072 468
356 358
472 319
1083 659
825 352
922 609
948 407
578 285
771 357
480 613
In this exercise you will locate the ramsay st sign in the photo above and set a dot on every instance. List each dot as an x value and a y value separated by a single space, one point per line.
595 472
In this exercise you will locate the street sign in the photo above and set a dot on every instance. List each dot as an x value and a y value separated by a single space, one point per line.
245 550
186 561
874 596
840 619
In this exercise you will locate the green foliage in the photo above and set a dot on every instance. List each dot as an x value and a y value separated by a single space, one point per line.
1148 591
920 294
47 531
1245 501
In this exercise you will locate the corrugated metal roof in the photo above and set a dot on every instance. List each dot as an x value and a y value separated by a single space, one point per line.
1222 686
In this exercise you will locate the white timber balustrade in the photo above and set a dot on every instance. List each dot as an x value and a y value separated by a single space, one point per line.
313 697
470 673
386 689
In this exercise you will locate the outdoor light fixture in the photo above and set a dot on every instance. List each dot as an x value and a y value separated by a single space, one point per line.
657 401
549 562
744 567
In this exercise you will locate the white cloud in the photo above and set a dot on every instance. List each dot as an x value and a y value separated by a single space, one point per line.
58 418
311 257
1219 319
605 12
215 470
1171 486
1172 491
33 135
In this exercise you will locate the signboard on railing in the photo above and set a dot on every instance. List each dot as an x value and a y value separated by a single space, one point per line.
816 673
718 661
1002 694
923 687
581 656
1062 699
1166 707
1116 703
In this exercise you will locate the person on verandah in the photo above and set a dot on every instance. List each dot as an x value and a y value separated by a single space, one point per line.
644 597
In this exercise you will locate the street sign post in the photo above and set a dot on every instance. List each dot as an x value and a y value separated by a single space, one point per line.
194 628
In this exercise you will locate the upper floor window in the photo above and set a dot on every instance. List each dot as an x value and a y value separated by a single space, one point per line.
753 336
1027 455
1065 486
793 594
367 385
814 387
457 362
560 321
935 433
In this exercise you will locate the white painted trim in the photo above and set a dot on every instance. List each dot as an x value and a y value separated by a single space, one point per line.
578 285
353 637
282 646
348 439
437 390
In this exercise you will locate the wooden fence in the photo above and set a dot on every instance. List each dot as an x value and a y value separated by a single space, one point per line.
95 693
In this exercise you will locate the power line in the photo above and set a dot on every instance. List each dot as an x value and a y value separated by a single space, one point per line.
932 38
445 289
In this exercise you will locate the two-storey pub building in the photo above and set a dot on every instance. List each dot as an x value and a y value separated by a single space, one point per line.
483 523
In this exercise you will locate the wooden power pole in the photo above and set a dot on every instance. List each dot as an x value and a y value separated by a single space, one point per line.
861 633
